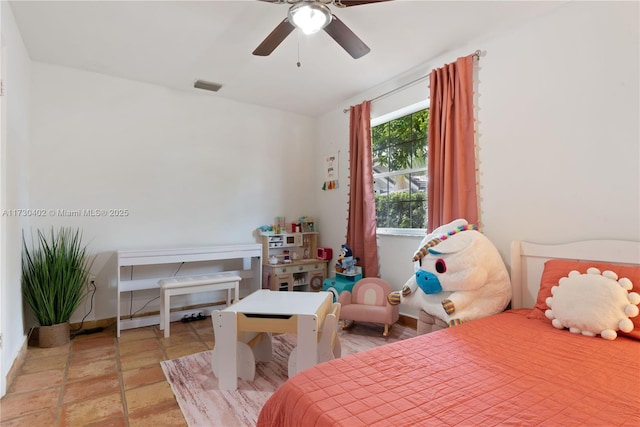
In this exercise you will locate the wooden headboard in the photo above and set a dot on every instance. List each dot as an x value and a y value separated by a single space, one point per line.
527 262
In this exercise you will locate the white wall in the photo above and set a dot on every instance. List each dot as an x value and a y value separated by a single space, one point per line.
191 169
13 176
558 133
559 124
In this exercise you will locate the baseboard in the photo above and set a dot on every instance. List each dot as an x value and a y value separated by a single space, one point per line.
92 324
410 322
111 321
16 365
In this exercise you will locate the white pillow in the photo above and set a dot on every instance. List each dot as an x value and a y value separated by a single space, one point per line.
593 304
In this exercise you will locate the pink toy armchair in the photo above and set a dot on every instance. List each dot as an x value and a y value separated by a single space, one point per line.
367 302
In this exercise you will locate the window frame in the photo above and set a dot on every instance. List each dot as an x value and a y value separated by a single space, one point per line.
375 121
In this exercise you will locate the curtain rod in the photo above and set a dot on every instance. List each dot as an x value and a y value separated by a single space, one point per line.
476 54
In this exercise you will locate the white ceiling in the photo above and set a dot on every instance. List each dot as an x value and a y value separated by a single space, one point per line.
174 43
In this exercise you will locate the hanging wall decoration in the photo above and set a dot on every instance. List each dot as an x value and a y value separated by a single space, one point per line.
332 169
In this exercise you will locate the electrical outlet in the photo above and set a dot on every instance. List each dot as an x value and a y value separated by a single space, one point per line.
91 280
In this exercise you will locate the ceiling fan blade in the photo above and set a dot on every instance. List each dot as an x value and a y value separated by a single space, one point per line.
346 38
349 3
274 39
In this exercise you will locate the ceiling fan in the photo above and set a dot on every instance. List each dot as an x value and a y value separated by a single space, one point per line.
312 16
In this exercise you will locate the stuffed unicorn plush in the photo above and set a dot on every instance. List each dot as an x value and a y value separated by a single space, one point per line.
459 276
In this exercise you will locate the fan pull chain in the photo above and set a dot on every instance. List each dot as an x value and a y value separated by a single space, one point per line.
298 63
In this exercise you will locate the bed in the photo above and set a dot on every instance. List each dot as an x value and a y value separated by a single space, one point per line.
513 368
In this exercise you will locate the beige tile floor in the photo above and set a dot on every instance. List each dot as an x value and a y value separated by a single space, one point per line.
100 380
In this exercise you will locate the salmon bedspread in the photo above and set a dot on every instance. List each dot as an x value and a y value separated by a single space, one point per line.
505 369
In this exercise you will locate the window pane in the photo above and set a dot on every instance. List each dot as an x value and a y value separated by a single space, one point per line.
399 183
400 129
380 161
419 215
399 210
401 145
400 156
400 203
418 182
380 136
418 211
381 185
382 212
419 159
420 124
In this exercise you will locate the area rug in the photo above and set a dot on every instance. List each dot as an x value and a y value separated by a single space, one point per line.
204 405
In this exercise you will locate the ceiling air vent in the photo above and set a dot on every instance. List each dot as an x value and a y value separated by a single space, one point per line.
201 84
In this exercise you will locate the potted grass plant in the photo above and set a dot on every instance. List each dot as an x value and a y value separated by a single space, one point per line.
55 271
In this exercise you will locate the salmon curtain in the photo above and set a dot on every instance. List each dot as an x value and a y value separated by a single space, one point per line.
361 224
452 189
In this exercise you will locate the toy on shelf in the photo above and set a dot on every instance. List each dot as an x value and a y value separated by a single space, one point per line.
289 258
308 223
346 261
324 254
266 230
342 282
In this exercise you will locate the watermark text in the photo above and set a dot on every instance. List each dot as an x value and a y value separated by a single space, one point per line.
65 212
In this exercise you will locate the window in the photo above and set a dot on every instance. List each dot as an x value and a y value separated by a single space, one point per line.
400 171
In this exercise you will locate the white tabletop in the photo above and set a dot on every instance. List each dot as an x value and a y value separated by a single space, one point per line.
268 302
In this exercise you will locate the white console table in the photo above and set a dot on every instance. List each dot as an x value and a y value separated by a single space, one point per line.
250 254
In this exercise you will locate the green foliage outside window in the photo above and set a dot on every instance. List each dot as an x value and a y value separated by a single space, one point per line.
399 153
401 210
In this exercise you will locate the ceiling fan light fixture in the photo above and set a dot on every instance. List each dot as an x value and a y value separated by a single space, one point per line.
310 17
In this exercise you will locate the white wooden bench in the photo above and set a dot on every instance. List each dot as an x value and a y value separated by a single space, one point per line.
193 284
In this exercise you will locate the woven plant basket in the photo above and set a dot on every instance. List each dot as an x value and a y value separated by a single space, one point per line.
53 336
